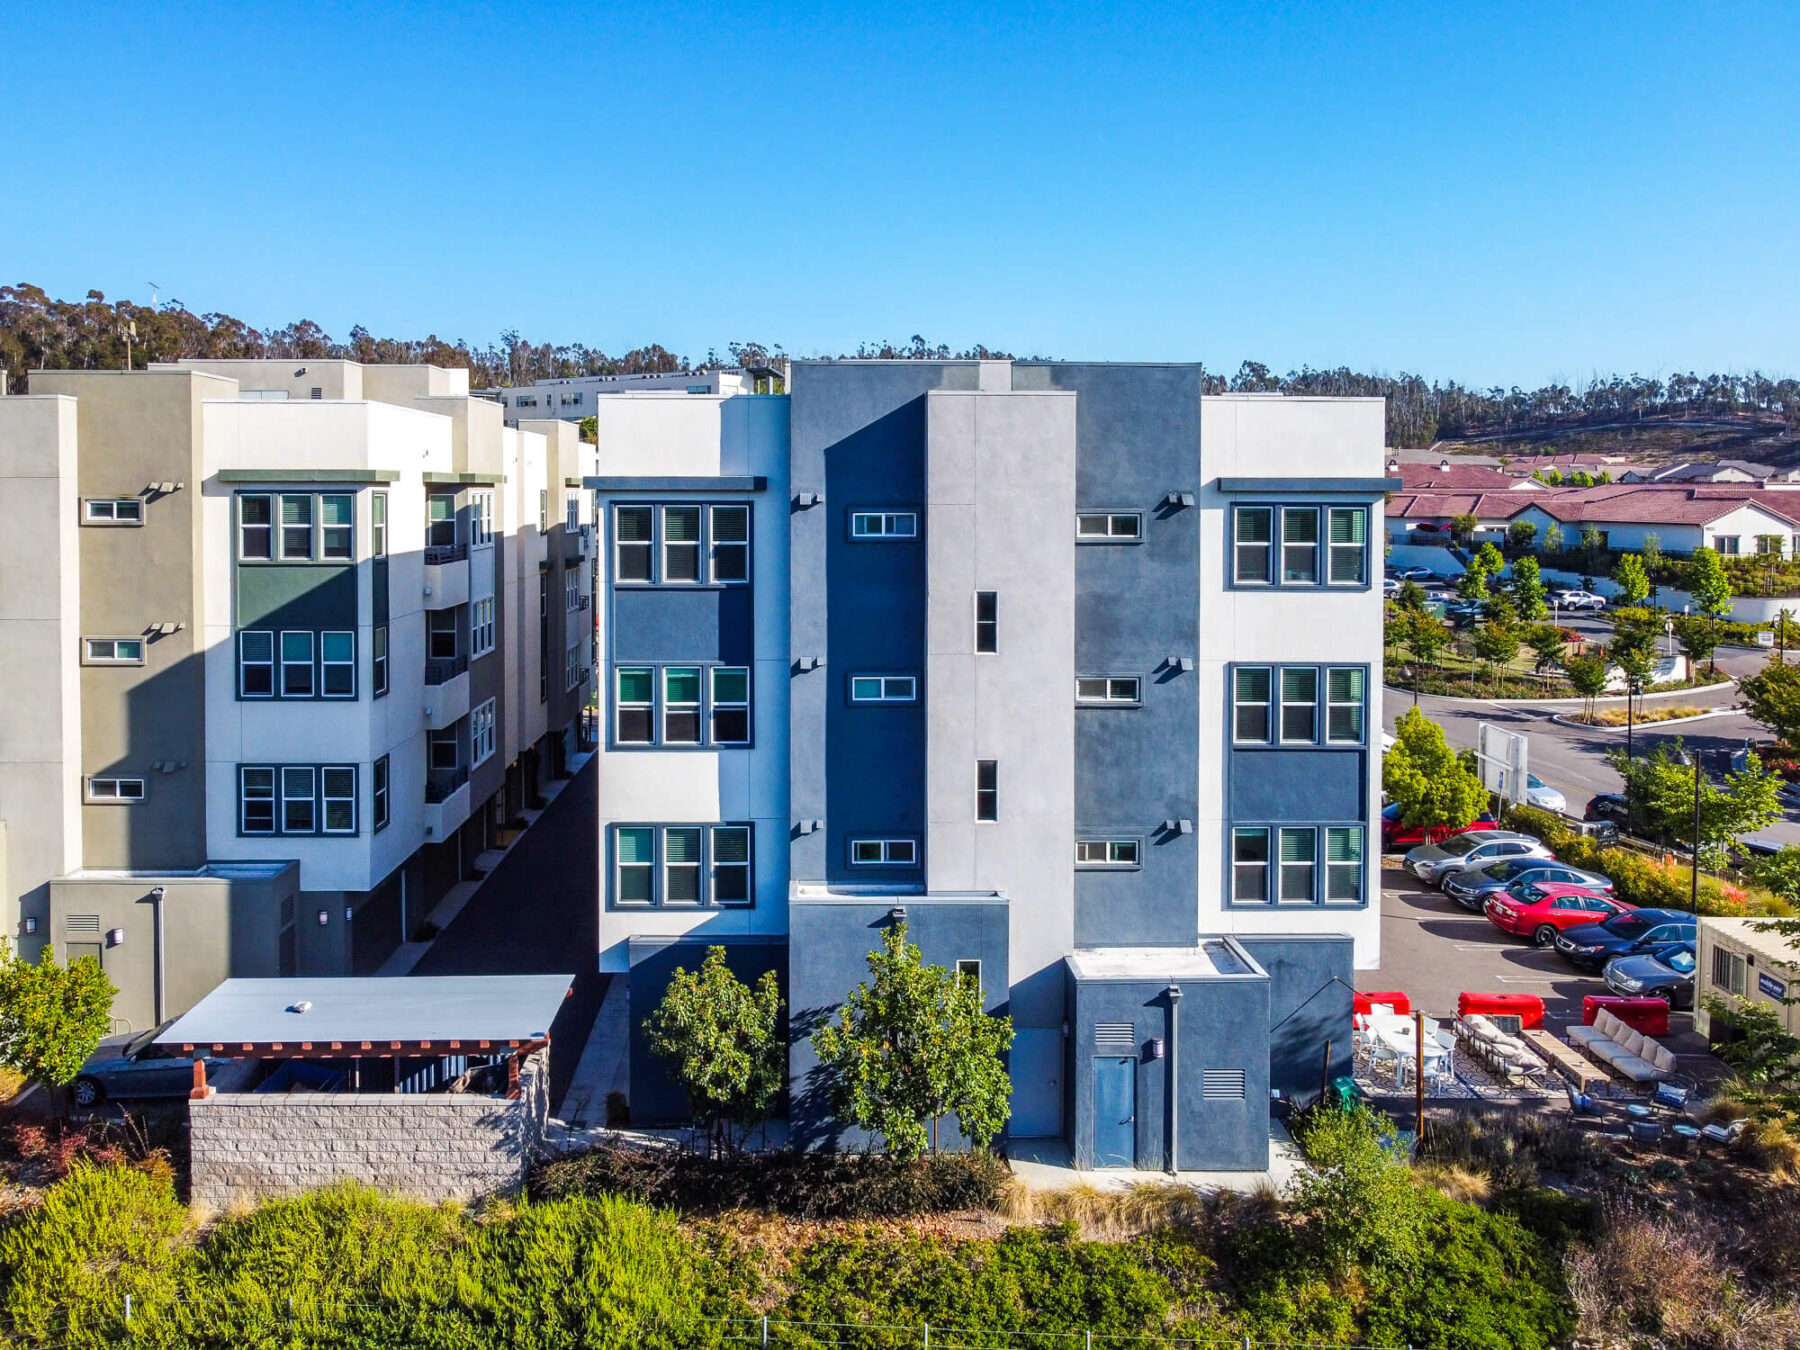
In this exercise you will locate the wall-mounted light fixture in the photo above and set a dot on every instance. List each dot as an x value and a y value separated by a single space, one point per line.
1179 499
324 917
115 937
1178 664
1156 1047
31 923
806 663
804 500
898 914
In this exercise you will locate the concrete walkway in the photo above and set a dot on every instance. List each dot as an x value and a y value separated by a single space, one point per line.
1045 1165
605 1064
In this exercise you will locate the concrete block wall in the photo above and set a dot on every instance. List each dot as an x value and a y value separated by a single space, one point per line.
431 1147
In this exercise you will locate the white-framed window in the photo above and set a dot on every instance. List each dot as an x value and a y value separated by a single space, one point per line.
115 791
1251 687
299 802
571 588
337 527
1348 541
256 665
730 544
256 527
884 852
681 544
112 651
1109 527
481 518
256 799
634 543
378 529
1299 545
731 865
1297 864
1108 689
1253 543
987 789
1299 704
1344 699
440 519
572 667
296 665
1250 865
378 659
112 511
481 732
681 705
969 968
441 750
1106 852
481 626
634 705
730 705
339 784
634 865
987 621
296 527
681 865
441 642
379 806
1344 864
1729 971
543 510
337 664
884 524
884 689
1726 544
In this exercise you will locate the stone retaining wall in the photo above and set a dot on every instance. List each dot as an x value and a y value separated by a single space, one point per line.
431 1146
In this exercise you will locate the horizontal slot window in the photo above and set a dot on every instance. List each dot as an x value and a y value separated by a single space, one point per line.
1109 527
1107 853
884 689
1108 689
884 852
113 651
884 525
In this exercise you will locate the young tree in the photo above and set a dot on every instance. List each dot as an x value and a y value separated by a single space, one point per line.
1463 527
1424 637
1698 635
719 1036
1653 554
1553 538
1662 790
1587 677
1496 644
1520 535
1772 697
1548 643
1528 590
913 1044
1490 559
1473 583
1636 664
1705 580
1593 545
1631 579
52 1017
1431 782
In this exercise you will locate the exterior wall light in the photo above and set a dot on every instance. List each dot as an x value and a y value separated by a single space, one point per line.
31 923
324 917
115 937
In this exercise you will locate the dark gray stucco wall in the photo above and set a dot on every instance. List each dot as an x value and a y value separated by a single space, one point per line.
829 945
1309 1005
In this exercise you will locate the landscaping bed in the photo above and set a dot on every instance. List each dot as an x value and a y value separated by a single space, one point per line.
1617 717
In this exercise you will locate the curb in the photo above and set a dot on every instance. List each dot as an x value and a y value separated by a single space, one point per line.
1729 682
1649 726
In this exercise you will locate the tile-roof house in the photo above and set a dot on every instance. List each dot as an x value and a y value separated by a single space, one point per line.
1448 477
1703 471
1728 518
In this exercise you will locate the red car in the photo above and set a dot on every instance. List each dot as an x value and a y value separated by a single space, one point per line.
1397 837
1540 909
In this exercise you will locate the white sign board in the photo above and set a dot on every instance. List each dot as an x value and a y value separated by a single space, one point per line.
1765 637
1503 759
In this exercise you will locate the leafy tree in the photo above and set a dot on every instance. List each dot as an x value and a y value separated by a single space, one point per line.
1766 1053
589 430
1357 1194
1705 580
1636 664
1653 554
1698 635
1593 545
1528 590
1662 790
1463 527
1520 535
720 1038
1473 583
1631 579
1553 538
1581 478
1422 635
1499 608
1587 677
1548 643
912 1044
1496 644
1779 871
1490 559
1431 782
52 1017
1772 697
1411 597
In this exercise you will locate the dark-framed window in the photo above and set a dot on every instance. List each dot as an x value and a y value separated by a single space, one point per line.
682 866
900 852
680 544
1297 545
1290 865
987 621
880 526
683 705
987 789
301 799
1294 705
378 659
379 806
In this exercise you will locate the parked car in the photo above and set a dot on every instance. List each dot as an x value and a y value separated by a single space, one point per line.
1431 863
1414 574
1591 946
1611 806
1573 599
1389 586
1666 973
1471 889
1395 836
1540 794
1540 910
130 1066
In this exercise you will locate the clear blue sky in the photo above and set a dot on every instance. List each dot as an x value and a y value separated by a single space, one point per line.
1500 193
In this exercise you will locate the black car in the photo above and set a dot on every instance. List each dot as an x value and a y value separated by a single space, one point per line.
1591 945
1666 973
1608 806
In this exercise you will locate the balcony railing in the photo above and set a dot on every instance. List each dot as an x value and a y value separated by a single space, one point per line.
441 784
444 669
436 555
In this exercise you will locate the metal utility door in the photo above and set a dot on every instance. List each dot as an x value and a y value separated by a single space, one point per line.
1115 1113
1037 1087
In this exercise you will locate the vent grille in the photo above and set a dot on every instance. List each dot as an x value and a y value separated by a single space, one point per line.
1222 1085
1115 1036
83 923
287 911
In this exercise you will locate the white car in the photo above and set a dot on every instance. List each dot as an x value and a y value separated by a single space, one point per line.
1546 798
1389 586
1580 600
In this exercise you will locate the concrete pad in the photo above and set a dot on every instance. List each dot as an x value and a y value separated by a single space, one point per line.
1046 1165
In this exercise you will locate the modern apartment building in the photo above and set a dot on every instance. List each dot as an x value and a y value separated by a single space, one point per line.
286 644
1066 667
576 397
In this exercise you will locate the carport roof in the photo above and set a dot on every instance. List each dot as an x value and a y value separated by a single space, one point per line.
372 1015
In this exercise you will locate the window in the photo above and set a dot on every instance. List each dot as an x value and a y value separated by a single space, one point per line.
572 667
256 665
1299 544
337 527
1107 689
681 705
113 651
256 800
296 527
730 544
481 627
1250 865
681 865
442 752
1104 528
969 969
571 588
481 733
337 661
1344 704
1726 544
1349 545
1795 546
634 865
113 511
255 529
339 782
1298 849
481 519
1728 971
987 789
299 809
296 665
730 705
440 520
543 510
1299 699
987 621
378 525
573 516
884 852
378 661
1250 700
1254 535
1344 864
440 635
378 794
731 864
633 543
115 790
681 544
1106 853
635 706
884 525
883 689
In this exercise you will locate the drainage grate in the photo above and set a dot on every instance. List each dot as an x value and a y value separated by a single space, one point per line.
1115 1036
1222 1085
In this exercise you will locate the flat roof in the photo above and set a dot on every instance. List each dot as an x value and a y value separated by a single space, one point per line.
1771 945
1211 959
375 1010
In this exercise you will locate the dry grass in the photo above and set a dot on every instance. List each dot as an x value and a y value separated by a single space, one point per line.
1455 1181
1615 717
1115 1216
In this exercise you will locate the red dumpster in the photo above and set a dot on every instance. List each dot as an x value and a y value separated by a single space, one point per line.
1396 999
1528 1008
1647 1015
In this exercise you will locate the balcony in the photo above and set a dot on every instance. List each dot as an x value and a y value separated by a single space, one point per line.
446 576
446 691
580 536
446 803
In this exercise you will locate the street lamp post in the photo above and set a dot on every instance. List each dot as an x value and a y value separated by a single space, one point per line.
1694 888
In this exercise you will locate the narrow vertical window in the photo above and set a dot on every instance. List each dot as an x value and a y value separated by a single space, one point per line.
634 544
1344 704
337 527
440 636
681 705
255 529
440 520
634 862
339 782
256 800
731 865
337 661
299 807
378 543
1250 723
1250 866
730 544
543 510
571 588
730 705
1349 545
442 751
1300 544
987 621
481 519
1344 864
296 665
1298 863
681 865
481 733
378 794
256 665
681 543
1299 703
987 789
1255 533
296 526
635 704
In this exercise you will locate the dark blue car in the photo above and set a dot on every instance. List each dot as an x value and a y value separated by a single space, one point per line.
1590 946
